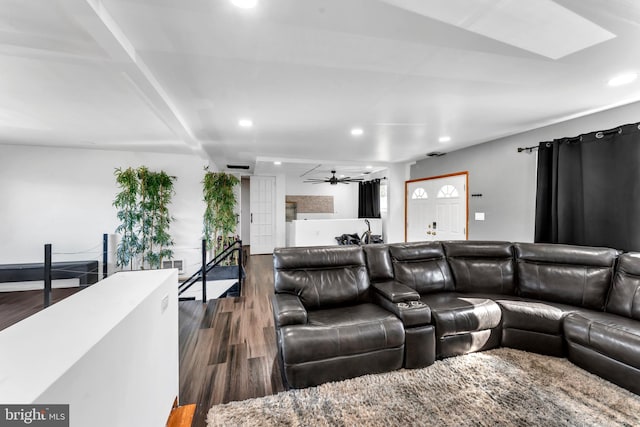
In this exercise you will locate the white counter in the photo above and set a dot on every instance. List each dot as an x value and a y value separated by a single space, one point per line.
322 232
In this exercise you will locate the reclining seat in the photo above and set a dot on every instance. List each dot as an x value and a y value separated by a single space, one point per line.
554 281
463 323
608 344
327 327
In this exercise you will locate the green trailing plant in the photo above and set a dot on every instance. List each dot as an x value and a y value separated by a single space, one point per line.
145 233
126 202
219 225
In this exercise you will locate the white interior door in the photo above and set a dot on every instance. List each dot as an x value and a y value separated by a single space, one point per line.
262 216
437 209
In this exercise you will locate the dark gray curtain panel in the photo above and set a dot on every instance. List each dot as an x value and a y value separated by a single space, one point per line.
369 199
589 189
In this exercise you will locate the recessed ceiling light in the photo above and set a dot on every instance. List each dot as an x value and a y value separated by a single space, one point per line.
277 163
245 4
245 123
623 79
444 139
369 167
357 131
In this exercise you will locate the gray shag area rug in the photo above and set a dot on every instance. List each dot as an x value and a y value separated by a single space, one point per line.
497 387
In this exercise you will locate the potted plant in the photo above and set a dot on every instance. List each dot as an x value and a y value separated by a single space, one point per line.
220 220
126 203
143 204
156 191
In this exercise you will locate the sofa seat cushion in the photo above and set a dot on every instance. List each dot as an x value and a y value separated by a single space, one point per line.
534 315
341 331
454 313
609 334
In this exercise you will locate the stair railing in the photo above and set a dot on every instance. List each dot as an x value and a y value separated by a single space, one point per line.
201 274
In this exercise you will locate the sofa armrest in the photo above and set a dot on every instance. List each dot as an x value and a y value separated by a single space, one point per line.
403 301
288 310
396 291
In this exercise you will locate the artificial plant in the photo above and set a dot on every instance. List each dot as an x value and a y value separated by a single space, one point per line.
156 191
126 202
219 217
146 220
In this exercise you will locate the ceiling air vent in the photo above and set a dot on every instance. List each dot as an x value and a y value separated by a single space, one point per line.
435 154
237 166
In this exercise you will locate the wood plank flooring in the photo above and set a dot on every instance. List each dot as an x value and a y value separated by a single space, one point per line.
227 346
15 306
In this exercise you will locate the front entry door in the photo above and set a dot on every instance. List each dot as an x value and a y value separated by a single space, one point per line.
262 216
436 208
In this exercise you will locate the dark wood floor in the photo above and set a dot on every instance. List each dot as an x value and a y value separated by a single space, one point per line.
227 347
15 306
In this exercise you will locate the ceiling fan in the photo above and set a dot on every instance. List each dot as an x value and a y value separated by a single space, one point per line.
334 180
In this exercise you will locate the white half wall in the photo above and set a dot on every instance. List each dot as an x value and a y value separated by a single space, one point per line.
322 232
507 179
64 197
109 351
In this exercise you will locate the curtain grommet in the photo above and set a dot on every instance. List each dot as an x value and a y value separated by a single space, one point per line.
599 135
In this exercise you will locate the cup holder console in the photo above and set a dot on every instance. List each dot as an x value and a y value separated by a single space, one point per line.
411 304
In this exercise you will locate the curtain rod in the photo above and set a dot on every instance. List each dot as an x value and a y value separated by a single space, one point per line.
599 135
527 149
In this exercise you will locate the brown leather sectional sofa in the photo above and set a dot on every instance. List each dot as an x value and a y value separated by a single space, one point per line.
346 311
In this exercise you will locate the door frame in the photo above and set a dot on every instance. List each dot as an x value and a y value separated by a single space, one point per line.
411 181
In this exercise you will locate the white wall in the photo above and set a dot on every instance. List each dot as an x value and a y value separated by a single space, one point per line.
393 219
507 179
281 230
110 352
345 197
64 197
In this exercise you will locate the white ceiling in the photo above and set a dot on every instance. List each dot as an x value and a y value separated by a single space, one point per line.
175 76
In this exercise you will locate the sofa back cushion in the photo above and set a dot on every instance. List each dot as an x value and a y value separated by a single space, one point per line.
422 266
482 266
379 262
322 276
576 275
624 297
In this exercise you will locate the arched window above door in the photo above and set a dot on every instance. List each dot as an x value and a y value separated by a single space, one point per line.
448 192
419 193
